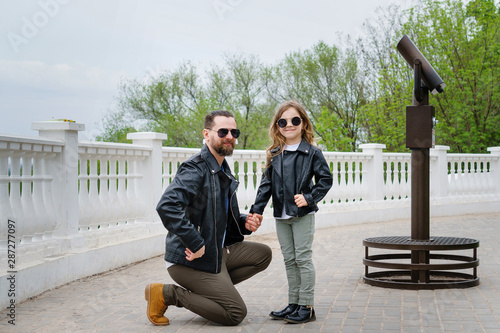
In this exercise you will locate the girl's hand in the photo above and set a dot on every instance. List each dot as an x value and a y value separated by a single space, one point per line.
300 201
253 222
190 256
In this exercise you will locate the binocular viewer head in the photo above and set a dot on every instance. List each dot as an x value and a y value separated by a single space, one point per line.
413 56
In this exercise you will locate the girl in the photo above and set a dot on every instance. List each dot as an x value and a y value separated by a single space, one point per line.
293 160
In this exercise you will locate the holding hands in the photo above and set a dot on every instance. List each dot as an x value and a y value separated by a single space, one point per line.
253 222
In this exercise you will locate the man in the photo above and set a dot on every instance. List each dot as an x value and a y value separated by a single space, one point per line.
204 248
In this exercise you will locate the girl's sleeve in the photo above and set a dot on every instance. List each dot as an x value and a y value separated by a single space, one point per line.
322 177
263 193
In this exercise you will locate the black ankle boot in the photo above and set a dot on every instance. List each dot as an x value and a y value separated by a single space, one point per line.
303 314
281 314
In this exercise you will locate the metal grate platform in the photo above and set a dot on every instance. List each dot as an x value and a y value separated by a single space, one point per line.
434 243
427 275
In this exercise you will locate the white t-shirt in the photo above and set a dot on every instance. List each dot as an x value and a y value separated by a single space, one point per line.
294 147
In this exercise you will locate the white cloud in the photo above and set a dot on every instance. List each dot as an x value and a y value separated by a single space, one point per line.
72 64
36 91
58 77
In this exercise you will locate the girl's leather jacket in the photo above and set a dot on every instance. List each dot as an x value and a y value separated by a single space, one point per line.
193 210
309 163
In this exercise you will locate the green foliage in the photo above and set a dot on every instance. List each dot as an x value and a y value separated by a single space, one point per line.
328 82
461 41
354 91
334 136
116 129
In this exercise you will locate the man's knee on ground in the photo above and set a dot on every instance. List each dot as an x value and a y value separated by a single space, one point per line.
268 256
236 316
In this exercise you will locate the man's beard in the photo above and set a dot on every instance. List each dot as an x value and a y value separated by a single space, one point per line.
224 150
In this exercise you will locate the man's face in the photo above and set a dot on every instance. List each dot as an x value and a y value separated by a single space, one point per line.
222 146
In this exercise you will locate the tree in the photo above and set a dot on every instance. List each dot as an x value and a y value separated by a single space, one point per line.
462 43
116 128
327 81
354 92
170 102
389 80
248 87
176 103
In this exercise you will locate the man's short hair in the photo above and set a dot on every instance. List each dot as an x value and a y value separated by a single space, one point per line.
209 119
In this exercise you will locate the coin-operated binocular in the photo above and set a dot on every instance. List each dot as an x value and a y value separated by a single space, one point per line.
420 117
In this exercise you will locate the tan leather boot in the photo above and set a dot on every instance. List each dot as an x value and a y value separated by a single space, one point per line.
156 304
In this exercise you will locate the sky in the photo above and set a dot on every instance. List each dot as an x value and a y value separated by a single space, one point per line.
65 59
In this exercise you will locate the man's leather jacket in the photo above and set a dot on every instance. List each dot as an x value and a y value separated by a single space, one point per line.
193 209
309 163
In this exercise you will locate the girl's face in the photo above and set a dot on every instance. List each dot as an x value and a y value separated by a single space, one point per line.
292 133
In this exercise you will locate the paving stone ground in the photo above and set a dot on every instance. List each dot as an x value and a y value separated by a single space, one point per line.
114 301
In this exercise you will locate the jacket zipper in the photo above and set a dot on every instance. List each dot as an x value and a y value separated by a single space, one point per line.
215 226
232 213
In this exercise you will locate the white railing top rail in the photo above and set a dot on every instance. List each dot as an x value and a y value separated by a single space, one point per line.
469 157
27 143
179 152
109 148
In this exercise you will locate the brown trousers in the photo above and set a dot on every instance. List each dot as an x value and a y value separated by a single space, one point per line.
213 296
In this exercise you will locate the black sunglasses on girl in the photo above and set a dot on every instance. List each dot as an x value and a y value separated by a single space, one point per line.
295 122
222 132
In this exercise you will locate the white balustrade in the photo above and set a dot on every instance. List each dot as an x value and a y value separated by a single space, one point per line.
69 197
247 166
108 178
397 176
172 157
470 174
347 177
113 178
24 197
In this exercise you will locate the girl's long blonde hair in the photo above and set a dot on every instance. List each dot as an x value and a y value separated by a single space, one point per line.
274 132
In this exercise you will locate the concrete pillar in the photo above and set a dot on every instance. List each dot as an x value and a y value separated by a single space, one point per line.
495 168
65 179
439 171
373 173
151 189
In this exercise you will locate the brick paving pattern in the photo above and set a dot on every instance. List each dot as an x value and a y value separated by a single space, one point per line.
114 301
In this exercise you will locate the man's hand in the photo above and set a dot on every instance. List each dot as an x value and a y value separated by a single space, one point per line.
253 222
300 201
190 256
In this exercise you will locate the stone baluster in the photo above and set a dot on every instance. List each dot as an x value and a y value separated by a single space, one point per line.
121 191
6 212
15 200
38 199
30 216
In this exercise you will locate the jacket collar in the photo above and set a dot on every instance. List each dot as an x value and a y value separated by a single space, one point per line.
212 163
304 147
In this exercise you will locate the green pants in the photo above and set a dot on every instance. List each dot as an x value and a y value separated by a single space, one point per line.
296 236
213 296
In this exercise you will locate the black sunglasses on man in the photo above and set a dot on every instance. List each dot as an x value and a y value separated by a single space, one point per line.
222 132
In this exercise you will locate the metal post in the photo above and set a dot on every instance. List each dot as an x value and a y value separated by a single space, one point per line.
420 187
420 225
